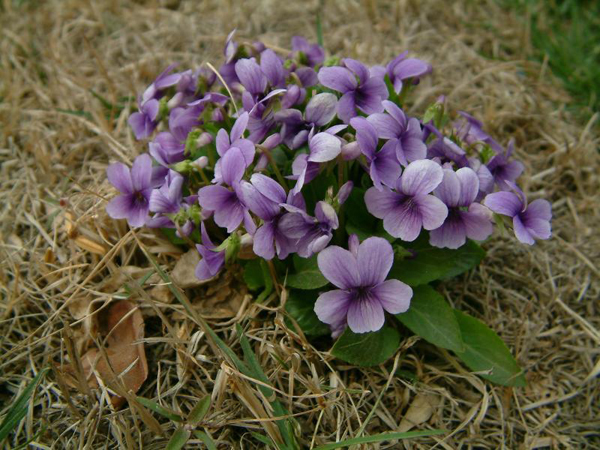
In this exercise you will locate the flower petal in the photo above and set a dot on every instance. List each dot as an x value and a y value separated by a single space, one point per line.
120 177
332 306
337 78
365 315
452 234
375 259
366 135
272 67
403 222
263 241
387 127
381 203
141 172
321 109
214 197
448 190
421 177
237 131
477 220
339 266
268 187
505 203
359 69
521 232
433 211
346 108
251 76
393 295
324 147
469 185
233 166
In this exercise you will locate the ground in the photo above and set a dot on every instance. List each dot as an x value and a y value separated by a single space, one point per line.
63 259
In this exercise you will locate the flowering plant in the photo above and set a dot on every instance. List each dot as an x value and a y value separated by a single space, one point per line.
314 163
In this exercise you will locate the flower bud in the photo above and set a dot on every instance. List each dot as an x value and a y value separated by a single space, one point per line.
204 139
350 151
272 141
175 101
200 163
344 192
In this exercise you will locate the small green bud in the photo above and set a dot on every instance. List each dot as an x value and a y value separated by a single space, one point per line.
163 109
332 61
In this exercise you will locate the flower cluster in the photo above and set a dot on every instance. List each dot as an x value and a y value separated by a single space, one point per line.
269 149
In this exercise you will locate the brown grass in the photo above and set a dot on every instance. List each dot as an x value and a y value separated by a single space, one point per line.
63 259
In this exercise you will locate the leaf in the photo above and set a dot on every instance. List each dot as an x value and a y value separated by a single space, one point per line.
179 439
432 263
380 438
267 282
366 349
430 317
419 411
184 272
19 408
307 274
253 274
485 351
210 445
123 363
197 414
301 307
158 409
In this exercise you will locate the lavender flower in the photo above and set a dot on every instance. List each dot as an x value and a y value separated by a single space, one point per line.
319 111
228 205
323 147
164 80
312 233
212 261
503 169
314 53
383 165
272 66
409 209
251 76
166 149
405 134
402 68
529 223
471 131
458 191
264 197
363 293
143 123
135 186
365 94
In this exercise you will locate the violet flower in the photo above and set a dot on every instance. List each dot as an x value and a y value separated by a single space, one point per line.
383 165
235 139
458 191
314 53
529 222
410 208
164 80
143 123
404 133
402 68
135 186
365 94
503 169
272 66
166 149
312 233
471 131
228 205
264 197
363 293
319 111
251 76
323 147
212 261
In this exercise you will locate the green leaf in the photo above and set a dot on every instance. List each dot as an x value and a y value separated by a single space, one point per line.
366 349
253 275
307 275
380 438
158 409
430 317
264 439
432 263
197 414
300 305
267 281
485 351
179 439
19 408
210 444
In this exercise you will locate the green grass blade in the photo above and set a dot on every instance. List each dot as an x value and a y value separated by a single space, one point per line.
199 411
210 444
380 438
158 409
19 408
179 439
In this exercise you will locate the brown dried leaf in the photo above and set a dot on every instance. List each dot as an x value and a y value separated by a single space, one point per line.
123 326
183 273
419 411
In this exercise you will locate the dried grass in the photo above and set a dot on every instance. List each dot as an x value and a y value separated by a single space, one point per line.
63 259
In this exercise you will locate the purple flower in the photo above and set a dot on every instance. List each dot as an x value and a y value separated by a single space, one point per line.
458 191
168 199
166 149
251 76
363 293
212 261
135 187
365 94
312 233
264 197
235 139
409 209
405 134
272 66
183 120
314 53
402 68
319 111
323 147
471 131
503 170
228 205
164 80
383 165
143 123
529 223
